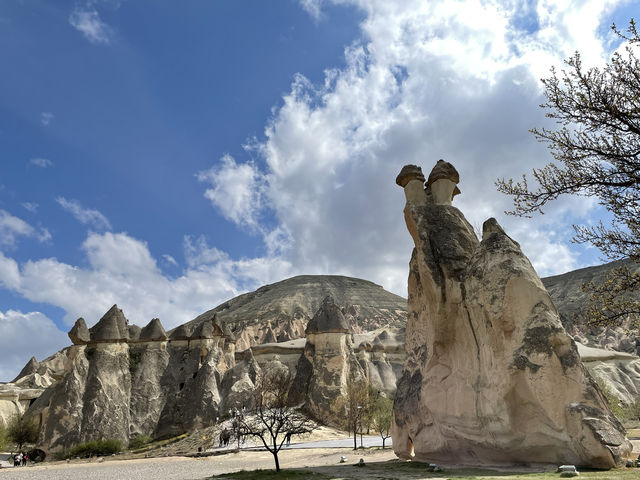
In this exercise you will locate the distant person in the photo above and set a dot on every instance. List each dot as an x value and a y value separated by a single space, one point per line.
288 437
25 459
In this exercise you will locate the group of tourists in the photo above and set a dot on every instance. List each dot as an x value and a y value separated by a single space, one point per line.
20 459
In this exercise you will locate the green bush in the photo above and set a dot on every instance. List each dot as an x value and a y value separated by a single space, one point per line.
95 448
623 412
139 441
4 441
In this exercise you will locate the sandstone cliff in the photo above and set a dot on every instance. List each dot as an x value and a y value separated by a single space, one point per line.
491 376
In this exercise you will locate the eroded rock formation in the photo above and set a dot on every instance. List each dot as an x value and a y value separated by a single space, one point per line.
328 362
120 380
491 376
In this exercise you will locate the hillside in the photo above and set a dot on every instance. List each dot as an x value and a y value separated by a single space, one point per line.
280 311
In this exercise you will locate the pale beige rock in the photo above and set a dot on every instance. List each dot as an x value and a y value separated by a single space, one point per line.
491 377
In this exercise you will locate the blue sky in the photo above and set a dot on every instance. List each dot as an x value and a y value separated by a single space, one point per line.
167 156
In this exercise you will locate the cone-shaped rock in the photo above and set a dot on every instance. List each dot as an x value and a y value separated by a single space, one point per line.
31 367
79 333
491 376
153 332
204 330
328 318
180 333
112 327
134 333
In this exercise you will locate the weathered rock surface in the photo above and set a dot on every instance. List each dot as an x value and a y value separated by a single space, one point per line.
491 376
328 362
568 296
287 307
117 385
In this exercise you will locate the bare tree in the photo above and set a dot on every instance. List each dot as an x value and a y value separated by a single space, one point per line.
273 420
597 150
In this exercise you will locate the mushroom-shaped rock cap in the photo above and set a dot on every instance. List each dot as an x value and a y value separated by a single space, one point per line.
79 333
112 327
153 332
444 170
204 330
408 173
134 333
328 318
180 333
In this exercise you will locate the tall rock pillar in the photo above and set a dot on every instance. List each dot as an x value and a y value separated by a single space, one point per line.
491 377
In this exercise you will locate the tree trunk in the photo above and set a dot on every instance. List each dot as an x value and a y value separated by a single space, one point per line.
275 458
383 440
355 437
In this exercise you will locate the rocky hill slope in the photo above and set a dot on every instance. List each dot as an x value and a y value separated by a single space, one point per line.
568 297
280 312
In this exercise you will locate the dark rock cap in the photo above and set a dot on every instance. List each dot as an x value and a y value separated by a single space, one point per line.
445 170
408 173
79 333
204 330
31 367
153 332
328 318
180 333
134 333
112 327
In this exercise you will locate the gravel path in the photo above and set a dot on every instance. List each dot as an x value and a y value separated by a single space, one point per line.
181 468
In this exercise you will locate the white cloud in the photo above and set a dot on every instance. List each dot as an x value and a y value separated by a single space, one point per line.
169 259
45 235
87 216
12 227
41 162
46 117
25 335
86 20
429 81
121 270
236 190
30 206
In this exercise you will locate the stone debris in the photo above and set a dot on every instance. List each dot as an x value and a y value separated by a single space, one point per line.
490 376
567 471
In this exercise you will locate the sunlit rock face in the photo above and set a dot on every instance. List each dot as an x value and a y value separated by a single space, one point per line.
328 362
120 380
491 377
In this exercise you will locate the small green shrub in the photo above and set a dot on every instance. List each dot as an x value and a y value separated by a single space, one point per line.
139 441
95 448
4 441
623 412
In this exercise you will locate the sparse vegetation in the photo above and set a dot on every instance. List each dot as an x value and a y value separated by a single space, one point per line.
597 150
4 440
273 420
22 430
382 412
623 412
139 441
94 448
280 475
399 470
